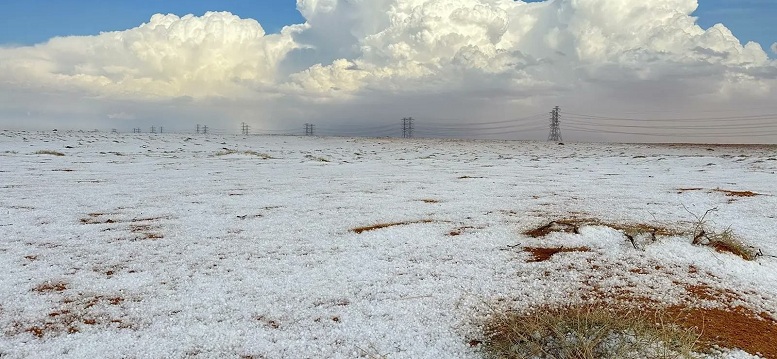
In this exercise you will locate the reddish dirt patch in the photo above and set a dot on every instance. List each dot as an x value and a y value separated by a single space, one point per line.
51 287
705 292
737 193
540 254
75 313
733 328
360 230
459 231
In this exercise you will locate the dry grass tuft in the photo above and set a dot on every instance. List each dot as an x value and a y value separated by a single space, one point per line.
49 152
585 331
227 151
360 230
572 225
540 254
726 243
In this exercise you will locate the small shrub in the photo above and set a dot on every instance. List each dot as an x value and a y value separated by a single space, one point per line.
49 152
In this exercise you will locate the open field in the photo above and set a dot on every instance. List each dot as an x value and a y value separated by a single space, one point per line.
118 246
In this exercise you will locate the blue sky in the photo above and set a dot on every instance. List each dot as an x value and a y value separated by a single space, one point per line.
33 21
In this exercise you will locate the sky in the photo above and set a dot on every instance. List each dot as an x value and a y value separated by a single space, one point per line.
619 69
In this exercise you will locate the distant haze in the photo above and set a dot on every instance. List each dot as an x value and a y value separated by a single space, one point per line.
621 70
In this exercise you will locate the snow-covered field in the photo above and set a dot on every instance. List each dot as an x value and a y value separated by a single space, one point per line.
169 246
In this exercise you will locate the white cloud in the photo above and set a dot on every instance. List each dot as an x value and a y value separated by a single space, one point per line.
464 58
774 48
217 54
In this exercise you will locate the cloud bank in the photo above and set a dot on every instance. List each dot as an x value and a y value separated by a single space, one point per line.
353 61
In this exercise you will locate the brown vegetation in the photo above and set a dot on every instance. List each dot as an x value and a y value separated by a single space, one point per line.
572 225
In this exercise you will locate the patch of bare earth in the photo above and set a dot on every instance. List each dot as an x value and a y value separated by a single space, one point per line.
360 230
730 328
72 313
430 200
50 287
141 228
460 230
730 193
541 254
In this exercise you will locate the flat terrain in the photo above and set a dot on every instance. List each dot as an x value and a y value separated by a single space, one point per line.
119 245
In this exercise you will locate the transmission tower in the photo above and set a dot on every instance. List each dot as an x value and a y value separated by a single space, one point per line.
205 130
407 127
555 125
244 128
310 129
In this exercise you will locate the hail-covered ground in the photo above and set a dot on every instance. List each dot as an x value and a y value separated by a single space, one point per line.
168 246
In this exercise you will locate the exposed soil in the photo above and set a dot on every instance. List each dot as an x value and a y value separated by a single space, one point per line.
74 315
51 287
729 193
360 230
540 254
731 328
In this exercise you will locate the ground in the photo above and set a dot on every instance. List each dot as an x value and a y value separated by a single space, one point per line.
142 245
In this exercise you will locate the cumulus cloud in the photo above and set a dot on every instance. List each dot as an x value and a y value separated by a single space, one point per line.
217 54
468 58
774 48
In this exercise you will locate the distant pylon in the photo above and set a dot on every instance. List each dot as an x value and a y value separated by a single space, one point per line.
244 128
310 129
555 125
407 127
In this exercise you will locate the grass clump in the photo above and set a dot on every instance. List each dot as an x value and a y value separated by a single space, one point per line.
226 152
724 242
49 152
586 332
